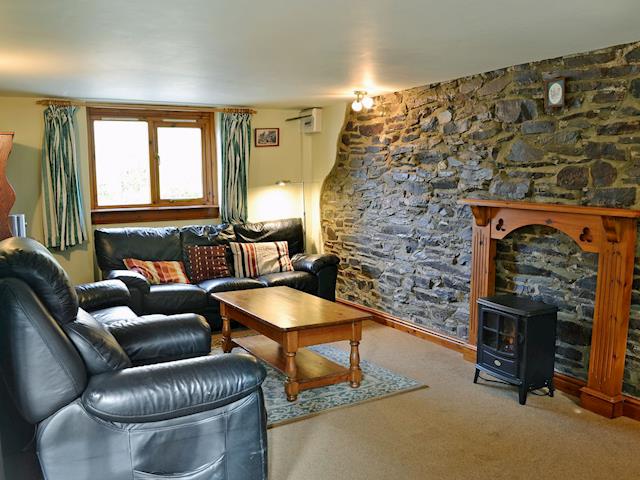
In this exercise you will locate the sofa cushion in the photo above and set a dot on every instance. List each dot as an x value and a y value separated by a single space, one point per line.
98 348
156 338
255 259
302 281
113 245
175 298
113 314
207 262
158 273
289 230
206 236
228 284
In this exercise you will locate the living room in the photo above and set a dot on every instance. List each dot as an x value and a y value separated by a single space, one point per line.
310 241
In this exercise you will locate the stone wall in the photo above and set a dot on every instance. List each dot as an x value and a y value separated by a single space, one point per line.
389 205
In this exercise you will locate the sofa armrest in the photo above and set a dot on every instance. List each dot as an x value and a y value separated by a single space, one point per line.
175 389
313 262
161 338
133 280
323 266
107 293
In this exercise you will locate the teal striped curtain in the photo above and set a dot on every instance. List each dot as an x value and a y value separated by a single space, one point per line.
62 197
235 139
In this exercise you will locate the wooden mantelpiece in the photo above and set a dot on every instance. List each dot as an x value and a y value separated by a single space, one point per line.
7 195
609 232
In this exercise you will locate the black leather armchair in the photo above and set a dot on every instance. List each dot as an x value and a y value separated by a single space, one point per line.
99 417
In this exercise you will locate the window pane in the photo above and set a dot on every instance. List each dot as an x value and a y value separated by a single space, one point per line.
180 151
122 162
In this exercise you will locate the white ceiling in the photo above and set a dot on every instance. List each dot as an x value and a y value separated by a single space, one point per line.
284 52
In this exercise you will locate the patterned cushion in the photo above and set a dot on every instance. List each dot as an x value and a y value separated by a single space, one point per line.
158 272
207 262
260 258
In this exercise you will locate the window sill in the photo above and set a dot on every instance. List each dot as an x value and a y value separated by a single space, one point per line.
105 216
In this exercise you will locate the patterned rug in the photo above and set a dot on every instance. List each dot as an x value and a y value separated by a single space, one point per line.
377 382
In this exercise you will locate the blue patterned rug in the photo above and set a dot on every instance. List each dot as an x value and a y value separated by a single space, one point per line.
377 382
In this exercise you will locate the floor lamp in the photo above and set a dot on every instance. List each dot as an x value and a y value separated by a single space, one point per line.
285 183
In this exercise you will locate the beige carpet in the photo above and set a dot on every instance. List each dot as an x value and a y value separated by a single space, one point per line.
453 430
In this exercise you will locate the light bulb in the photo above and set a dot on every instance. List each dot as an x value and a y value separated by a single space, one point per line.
367 102
356 106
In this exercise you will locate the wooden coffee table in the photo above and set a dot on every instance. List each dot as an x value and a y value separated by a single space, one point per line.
289 320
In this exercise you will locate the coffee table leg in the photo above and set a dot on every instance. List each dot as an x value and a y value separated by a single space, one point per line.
226 334
355 374
291 386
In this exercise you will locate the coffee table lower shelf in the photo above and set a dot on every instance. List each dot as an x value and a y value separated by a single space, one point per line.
313 370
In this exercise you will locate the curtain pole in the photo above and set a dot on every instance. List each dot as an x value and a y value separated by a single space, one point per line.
60 103
185 108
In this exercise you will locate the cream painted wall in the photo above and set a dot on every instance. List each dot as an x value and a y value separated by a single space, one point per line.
24 117
323 152
300 157
270 164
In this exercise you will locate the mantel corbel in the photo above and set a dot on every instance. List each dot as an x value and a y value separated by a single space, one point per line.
481 214
611 227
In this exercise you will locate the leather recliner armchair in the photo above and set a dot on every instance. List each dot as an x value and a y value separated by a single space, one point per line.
99 417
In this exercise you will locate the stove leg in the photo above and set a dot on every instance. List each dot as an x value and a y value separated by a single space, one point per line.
522 394
475 377
552 388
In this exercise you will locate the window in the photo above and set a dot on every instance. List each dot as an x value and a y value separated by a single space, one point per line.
151 164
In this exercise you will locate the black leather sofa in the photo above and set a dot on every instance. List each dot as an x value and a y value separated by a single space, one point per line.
314 273
105 400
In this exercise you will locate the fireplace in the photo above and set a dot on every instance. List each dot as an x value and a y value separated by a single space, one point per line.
609 232
516 342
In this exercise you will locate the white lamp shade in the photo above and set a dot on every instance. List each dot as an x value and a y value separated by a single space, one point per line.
367 102
356 106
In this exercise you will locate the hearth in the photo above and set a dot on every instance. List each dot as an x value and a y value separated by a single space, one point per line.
516 342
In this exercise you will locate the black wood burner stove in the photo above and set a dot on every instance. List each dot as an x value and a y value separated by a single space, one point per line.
516 342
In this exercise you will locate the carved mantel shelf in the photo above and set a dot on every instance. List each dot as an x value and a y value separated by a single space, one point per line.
609 232
7 195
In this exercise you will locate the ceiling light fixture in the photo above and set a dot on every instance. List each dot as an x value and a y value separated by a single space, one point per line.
362 101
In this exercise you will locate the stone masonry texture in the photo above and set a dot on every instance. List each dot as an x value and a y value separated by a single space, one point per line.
389 205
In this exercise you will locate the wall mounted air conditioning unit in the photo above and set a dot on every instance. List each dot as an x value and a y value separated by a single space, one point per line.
311 121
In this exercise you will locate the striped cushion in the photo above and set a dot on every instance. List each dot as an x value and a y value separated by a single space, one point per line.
255 259
207 262
158 272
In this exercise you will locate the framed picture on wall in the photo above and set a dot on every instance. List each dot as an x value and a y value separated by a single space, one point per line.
267 137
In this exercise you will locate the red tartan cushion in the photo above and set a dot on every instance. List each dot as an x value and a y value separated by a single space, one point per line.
158 272
207 262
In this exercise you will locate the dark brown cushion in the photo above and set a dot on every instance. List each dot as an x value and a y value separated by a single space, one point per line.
207 262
